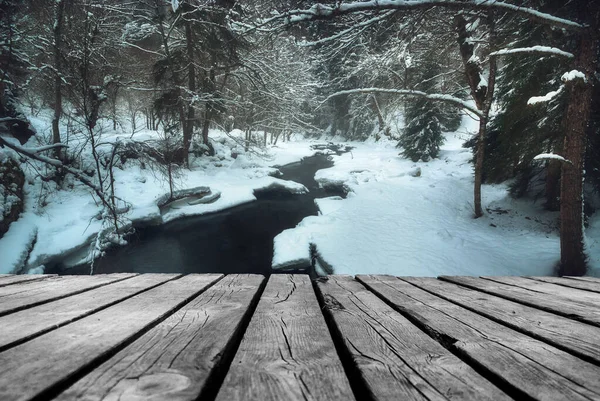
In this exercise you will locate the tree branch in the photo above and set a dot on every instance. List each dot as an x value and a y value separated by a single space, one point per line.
411 93
32 154
323 11
533 49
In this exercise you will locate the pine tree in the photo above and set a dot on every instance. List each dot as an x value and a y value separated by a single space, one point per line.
519 132
422 136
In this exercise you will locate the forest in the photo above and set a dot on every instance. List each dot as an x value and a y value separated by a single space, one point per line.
171 94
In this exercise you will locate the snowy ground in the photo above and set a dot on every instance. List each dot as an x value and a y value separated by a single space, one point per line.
396 223
67 222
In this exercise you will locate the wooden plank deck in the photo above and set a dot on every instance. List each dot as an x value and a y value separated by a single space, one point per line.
247 337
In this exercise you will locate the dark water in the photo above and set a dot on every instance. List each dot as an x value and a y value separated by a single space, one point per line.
236 240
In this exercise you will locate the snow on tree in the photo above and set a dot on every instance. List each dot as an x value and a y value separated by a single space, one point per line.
422 136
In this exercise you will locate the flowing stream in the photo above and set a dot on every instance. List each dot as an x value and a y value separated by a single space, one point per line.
235 240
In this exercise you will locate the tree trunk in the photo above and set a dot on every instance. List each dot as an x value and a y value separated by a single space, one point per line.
572 256
188 128
482 94
382 127
479 156
552 190
58 25
209 88
248 136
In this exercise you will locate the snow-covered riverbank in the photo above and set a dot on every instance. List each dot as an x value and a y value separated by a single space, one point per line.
67 221
400 217
396 221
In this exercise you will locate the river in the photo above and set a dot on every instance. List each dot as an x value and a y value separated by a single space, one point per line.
235 240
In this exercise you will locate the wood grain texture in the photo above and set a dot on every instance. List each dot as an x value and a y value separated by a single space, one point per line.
47 362
579 284
9 279
578 296
530 368
576 337
395 358
25 295
287 352
585 312
174 360
584 278
28 323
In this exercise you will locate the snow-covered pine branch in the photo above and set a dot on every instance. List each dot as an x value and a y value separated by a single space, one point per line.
552 156
323 11
572 76
533 49
406 92
546 98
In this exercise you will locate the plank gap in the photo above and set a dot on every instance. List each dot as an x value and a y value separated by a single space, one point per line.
64 295
56 389
448 342
74 319
581 285
517 299
18 279
218 373
359 387
515 327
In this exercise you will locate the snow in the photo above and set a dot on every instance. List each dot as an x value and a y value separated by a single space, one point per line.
14 246
466 105
319 11
69 221
573 75
395 223
550 156
533 49
394 220
546 98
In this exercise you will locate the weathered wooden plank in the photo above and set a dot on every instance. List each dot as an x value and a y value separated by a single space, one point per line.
18 297
530 368
579 284
8 279
287 352
584 278
28 323
395 358
580 297
576 337
176 359
41 366
585 312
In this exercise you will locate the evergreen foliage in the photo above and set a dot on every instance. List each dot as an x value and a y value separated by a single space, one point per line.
518 132
422 136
